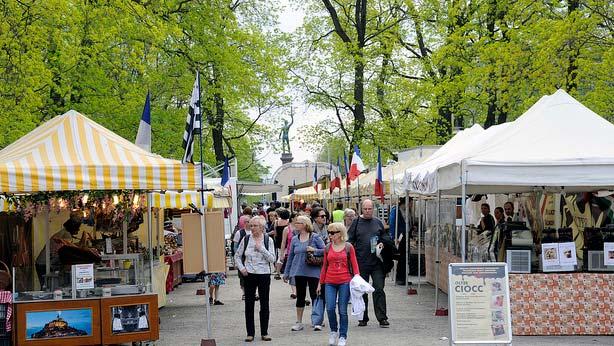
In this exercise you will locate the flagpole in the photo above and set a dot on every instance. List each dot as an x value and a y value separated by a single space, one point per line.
358 189
203 227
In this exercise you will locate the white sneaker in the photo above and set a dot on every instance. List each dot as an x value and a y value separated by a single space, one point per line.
332 338
298 326
317 327
341 341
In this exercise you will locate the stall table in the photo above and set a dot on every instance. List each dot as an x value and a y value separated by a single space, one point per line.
175 271
549 303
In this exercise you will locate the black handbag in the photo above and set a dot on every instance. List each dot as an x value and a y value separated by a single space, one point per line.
311 259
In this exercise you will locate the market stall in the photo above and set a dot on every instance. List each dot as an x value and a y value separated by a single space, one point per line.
176 254
72 179
557 246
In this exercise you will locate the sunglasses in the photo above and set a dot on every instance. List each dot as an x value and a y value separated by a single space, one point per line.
321 215
331 233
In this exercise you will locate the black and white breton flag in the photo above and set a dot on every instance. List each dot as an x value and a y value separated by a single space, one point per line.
192 122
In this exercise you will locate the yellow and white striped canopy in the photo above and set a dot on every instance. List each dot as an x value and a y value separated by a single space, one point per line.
307 194
72 152
182 200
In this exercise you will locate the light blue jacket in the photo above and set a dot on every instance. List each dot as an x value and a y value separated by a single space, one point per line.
296 265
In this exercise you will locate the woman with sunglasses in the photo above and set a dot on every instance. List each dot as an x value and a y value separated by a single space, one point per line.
337 272
304 274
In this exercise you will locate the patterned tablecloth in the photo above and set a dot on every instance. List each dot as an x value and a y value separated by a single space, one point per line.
562 304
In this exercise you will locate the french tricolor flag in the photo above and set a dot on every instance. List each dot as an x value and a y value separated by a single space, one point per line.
315 177
335 179
379 183
143 137
356 167
346 169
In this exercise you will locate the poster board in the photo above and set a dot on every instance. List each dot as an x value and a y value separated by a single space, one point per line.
135 317
479 303
192 243
36 322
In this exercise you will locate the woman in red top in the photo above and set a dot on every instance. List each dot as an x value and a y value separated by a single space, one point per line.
337 272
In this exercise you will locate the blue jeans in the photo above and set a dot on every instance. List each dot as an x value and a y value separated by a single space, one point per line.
331 293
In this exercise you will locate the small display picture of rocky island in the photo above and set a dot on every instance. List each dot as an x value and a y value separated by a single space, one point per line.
59 324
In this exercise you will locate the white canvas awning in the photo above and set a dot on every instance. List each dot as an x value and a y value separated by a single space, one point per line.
256 189
557 144
422 177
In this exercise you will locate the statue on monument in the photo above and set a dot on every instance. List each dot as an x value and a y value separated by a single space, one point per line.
285 138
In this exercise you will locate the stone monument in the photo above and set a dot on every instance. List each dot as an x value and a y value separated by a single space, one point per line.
286 155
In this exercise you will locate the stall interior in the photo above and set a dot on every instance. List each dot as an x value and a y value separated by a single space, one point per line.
55 239
536 232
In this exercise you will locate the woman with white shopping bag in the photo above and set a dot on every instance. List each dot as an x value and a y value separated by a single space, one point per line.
338 269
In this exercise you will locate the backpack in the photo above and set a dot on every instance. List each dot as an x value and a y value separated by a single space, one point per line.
347 256
247 236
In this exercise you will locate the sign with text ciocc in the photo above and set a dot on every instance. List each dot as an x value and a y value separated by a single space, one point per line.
479 303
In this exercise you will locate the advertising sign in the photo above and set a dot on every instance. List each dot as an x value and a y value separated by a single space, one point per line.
479 303
84 276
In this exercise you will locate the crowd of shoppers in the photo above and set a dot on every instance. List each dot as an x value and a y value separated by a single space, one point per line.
317 256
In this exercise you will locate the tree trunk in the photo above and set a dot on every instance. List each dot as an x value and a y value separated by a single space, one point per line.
502 116
217 129
444 122
571 82
216 119
359 105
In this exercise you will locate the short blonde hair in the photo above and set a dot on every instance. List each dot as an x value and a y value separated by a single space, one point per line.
339 227
305 220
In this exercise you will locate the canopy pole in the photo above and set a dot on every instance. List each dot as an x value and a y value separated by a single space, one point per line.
203 227
396 231
47 249
437 249
407 230
463 212
421 229
149 240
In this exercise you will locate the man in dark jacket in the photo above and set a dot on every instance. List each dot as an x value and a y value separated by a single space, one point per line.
367 234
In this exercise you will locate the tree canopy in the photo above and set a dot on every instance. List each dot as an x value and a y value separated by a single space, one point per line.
388 73
427 67
102 57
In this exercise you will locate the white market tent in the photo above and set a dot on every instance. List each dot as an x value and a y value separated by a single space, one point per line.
557 144
422 177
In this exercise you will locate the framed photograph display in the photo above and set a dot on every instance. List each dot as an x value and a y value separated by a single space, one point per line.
129 319
58 322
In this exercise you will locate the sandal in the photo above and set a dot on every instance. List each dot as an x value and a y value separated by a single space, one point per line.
249 339
266 338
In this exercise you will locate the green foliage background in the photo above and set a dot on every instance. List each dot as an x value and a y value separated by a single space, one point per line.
102 57
429 66
433 65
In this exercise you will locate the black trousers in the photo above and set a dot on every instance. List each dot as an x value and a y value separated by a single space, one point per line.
379 296
262 282
301 289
